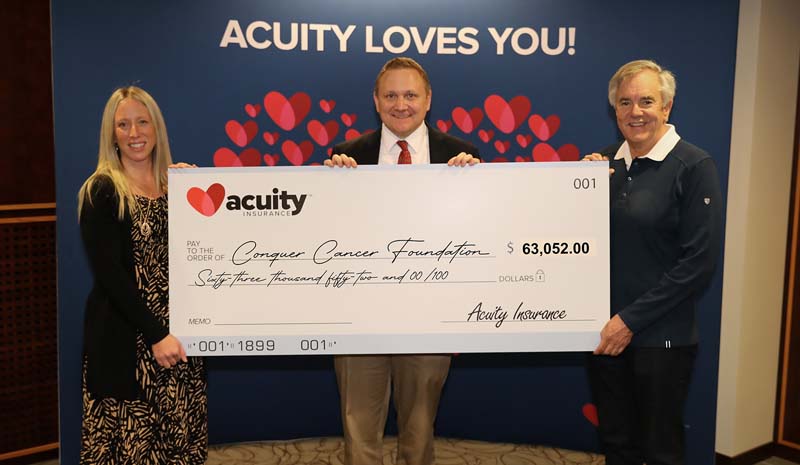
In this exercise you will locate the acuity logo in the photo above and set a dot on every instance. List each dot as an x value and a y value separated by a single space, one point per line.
277 203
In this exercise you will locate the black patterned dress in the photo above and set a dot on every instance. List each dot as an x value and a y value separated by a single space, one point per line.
168 424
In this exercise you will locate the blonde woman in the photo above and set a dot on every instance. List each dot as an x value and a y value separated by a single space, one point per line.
144 401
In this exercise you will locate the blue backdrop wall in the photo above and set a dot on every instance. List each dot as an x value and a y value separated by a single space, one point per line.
222 72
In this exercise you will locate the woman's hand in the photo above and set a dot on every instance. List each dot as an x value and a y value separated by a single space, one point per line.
169 351
181 164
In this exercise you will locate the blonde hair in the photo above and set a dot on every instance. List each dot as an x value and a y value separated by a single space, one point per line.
665 77
403 63
108 159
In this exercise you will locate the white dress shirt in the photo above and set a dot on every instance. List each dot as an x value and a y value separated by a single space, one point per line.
418 146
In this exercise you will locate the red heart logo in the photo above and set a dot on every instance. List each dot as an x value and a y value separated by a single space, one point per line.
239 134
507 116
297 154
271 160
521 159
330 152
486 136
271 137
227 157
502 146
443 125
287 114
499 160
590 412
523 141
322 134
252 110
349 120
327 105
544 128
467 121
206 202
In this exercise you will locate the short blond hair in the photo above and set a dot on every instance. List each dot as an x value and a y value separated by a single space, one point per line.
403 63
665 77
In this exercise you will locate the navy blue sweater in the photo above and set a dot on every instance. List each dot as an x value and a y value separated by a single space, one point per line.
665 238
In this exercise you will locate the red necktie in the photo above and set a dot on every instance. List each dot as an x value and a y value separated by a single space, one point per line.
405 155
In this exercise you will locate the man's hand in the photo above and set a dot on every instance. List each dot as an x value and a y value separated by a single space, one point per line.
169 351
614 337
598 157
341 160
463 159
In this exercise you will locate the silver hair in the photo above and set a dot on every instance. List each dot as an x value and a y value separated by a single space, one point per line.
666 78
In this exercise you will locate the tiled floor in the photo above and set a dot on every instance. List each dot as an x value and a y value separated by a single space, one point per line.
776 461
328 451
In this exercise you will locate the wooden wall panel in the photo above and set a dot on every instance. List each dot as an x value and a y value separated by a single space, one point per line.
28 345
27 165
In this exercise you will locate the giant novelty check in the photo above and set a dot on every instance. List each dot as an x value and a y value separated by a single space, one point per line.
399 259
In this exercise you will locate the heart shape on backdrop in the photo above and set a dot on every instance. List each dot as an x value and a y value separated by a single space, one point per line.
502 146
443 125
208 201
507 116
590 413
349 120
252 110
271 137
544 128
524 140
545 152
297 154
241 134
287 114
271 160
467 121
323 134
225 157
327 105
485 135
353 133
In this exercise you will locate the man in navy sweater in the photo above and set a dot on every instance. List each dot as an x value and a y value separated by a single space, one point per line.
665 210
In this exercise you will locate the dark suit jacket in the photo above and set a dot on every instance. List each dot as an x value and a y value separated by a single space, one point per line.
366 149
115 310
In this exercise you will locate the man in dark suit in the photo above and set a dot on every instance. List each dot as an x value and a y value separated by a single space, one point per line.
402 99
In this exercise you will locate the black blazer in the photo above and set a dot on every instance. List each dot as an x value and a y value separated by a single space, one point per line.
366 149
115 311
